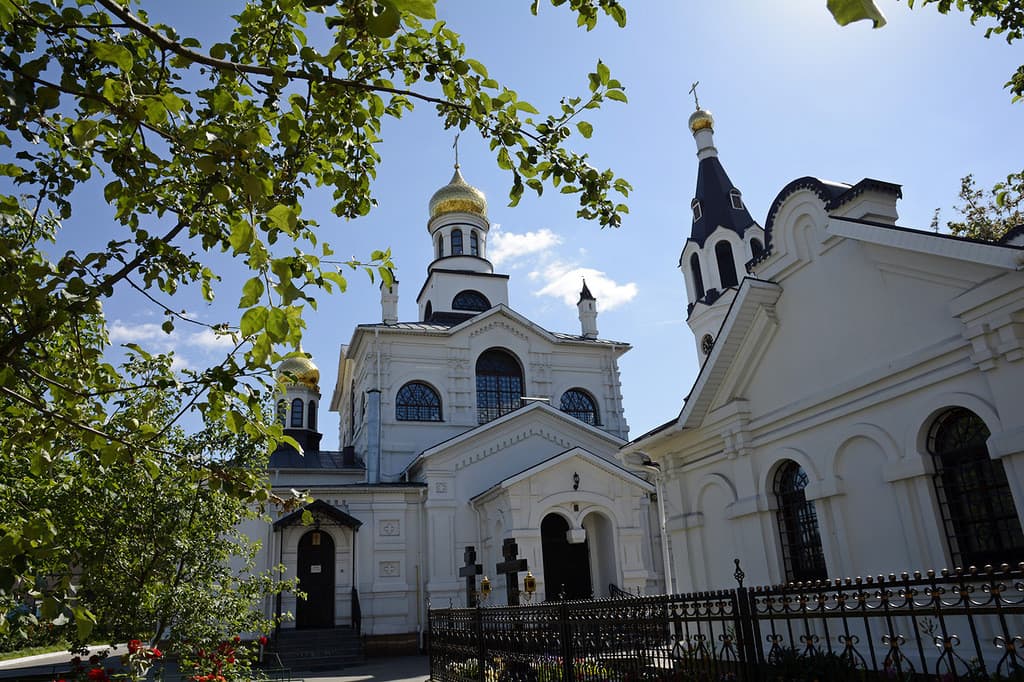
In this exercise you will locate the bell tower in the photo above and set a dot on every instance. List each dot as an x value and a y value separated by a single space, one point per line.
723 239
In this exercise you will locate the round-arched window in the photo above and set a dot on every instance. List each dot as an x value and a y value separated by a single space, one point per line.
798 526
456 242
296 420
474 243
470 300
499 384
578 403
311 415
698 280
417 402
981 521
726 264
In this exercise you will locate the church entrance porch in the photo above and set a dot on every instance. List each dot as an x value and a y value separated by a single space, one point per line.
315 570
566 554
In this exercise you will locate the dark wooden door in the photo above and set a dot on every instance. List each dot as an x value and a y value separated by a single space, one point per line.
566 566
316 579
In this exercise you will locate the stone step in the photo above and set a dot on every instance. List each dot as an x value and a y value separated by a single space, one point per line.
330 649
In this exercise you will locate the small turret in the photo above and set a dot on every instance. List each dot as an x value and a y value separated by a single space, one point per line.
389 302
298 405
587 307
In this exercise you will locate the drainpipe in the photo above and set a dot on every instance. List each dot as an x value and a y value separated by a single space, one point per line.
655 469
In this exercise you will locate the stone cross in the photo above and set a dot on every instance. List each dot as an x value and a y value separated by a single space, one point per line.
470 571
511 567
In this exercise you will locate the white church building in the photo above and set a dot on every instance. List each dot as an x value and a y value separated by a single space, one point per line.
466 427
859 410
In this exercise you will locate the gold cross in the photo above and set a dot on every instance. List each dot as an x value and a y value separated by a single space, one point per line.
693 91
455 146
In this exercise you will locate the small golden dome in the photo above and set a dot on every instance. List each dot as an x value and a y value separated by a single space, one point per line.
701 119
302 369
458 196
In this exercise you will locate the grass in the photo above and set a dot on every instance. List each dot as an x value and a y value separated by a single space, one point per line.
56 647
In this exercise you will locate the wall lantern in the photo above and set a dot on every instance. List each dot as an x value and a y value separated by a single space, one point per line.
485 587
529 586
575 480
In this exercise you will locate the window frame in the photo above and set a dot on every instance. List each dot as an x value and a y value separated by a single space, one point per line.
498 393
726 261
410 405
455 239
579 395
799 532
296 403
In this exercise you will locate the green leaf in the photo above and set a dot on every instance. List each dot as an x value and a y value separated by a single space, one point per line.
847 11
586 130
251 292
277 325
113 54
617 95
283 217
241 236
603 74
421 8
386 23
253 320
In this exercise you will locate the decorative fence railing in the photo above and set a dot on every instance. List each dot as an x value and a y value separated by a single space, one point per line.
962 625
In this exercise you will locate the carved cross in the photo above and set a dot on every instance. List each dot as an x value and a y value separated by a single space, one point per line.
510 568
470 571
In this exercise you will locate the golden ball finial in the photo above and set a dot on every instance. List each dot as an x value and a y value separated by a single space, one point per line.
458 196
300 369
701 119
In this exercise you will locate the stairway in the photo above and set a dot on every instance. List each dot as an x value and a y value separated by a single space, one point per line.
328 649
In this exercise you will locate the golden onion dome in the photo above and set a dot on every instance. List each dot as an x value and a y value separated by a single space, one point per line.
458 196
701 119
300 369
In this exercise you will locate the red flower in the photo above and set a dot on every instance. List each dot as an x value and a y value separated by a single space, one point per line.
231 659
156 653
263 640
99 675
237 639
134 646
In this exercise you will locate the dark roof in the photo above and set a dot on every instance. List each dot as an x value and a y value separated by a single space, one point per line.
1012 234
713 187
287 457
585 294
832 194
323 508
450 319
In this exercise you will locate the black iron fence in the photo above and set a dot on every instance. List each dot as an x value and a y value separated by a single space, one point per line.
962 625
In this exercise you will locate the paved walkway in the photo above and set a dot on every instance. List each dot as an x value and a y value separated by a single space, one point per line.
397 669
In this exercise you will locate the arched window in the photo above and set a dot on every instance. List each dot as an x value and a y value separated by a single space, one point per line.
428 312
736 199
499 385
698 280
474 243
282 412
726 264
417 402
756 248
296 420
798 526
978 513
456 242
438 247
470 300
578 403
311 415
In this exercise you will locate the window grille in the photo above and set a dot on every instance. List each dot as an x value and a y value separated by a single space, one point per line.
978 514
798 526
470 300
417 402
499 385
578 403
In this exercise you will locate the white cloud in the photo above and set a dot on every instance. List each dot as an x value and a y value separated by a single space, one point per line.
187 346
510 246
211 340
564 281
123 332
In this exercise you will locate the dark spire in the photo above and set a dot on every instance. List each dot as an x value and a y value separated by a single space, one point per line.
716 200
585 294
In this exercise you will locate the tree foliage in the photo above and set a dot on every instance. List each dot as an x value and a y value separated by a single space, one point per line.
204 153
989 215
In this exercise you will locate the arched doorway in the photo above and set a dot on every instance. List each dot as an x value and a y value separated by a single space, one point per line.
566 566
316 579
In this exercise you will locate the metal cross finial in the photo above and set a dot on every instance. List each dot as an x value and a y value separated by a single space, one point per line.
693 91
455 146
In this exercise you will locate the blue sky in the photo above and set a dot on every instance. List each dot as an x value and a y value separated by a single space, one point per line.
919 102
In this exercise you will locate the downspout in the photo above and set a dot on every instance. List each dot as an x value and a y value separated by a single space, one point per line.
419 572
